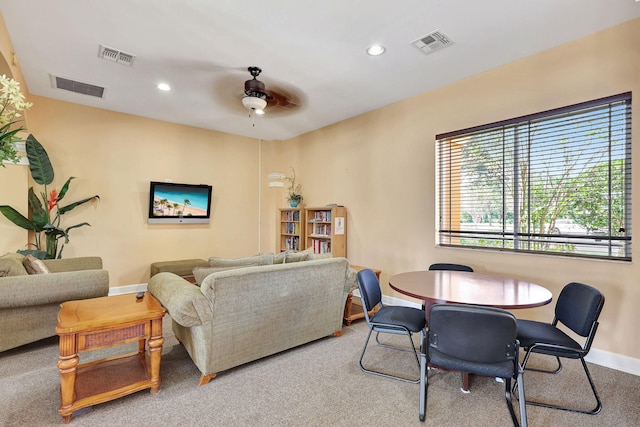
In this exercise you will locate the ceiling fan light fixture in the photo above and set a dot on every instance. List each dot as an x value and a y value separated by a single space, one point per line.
254 103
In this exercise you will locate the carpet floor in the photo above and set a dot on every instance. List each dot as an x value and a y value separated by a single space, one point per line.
318 384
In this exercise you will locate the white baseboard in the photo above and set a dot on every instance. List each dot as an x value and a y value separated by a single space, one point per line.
614 361
129 289
599 357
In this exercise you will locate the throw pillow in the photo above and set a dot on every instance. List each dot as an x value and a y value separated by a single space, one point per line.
34 265
279 258
199 273
261 259
298 256
12 262
311 257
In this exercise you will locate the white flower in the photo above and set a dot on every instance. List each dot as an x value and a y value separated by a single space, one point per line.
12 101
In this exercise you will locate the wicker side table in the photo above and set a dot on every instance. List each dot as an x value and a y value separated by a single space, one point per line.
91 324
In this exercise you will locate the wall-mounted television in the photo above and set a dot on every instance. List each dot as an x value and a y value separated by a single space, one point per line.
171 203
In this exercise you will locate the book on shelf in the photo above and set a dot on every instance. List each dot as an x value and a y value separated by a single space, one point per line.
321 216
291 215
292 243
321 246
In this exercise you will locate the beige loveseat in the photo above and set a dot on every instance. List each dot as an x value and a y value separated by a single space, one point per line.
29 303
240 315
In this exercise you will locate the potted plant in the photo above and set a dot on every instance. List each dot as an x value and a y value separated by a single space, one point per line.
46 214
12 103
294 196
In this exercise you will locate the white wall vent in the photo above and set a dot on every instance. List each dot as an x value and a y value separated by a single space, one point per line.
77 87
115 55
431 42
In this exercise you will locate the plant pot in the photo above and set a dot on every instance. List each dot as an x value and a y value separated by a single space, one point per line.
293 203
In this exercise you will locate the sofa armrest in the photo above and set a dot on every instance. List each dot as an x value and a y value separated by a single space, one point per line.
183 300
40 289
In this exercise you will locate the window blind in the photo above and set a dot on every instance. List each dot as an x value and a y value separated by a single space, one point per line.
556 182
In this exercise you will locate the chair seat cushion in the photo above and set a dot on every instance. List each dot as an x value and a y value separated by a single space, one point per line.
411 318
500 369
531 332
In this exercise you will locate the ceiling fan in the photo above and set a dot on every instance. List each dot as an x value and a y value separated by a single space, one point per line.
257 98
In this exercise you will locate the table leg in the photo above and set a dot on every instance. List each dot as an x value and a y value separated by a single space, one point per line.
347 309
155 353
67 368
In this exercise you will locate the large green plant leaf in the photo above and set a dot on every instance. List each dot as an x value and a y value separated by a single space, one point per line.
39 215
39 163
17 218
70 206
65 188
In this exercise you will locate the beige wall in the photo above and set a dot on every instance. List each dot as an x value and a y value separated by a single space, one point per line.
380 165
116 155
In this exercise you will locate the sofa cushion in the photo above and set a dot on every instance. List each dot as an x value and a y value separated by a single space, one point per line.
34 265
12 263
199 273
261 259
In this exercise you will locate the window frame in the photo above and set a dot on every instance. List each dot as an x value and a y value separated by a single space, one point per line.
448 195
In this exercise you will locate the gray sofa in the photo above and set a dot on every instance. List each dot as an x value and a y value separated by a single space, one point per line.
243 314
29 303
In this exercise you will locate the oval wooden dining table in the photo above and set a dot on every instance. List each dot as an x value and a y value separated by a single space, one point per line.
461 287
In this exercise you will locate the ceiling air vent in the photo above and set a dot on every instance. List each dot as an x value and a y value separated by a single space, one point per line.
77 87
115 55
432 41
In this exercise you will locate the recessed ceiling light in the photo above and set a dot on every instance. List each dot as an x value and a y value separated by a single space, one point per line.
163 87
376 50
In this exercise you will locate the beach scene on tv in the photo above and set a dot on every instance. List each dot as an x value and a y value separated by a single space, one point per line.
176 202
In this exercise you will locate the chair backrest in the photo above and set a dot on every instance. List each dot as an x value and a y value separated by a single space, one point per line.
453 267
473 333
578 308
370 293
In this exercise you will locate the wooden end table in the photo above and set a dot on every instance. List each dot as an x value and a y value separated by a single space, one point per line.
354 311
91 324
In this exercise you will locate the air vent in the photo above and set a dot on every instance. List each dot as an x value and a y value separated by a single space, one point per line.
431 42
77 87
115 55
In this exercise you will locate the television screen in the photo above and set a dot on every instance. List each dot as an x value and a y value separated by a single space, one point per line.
171 203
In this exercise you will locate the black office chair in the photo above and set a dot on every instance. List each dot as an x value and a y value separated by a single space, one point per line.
578 308
452 267
479 340
388 319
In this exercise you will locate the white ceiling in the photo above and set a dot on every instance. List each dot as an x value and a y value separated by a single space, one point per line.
203 47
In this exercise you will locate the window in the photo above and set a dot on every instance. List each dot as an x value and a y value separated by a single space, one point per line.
557 182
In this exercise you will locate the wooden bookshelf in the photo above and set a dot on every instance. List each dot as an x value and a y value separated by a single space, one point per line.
291 226
326 230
